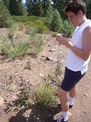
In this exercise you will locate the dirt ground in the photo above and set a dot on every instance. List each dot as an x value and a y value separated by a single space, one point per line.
44 63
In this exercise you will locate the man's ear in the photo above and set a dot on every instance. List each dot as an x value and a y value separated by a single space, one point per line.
80 13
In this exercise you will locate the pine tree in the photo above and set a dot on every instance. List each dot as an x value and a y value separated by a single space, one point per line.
5 18
89 9
49 15
45 4
56 21
39 9
6 2
16 7
59 5
29 5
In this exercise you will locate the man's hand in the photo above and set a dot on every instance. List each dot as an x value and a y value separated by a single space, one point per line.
60 38
64 41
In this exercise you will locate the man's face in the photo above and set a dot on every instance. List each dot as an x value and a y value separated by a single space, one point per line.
73 18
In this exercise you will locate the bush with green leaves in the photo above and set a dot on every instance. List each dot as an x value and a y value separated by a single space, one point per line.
32 22
17 48
35 42
5 17
66 28
9 49
45 95
40 26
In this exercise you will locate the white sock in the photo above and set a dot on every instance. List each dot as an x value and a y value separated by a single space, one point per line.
71 100
65 115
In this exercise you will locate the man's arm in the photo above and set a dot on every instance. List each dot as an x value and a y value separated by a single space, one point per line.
86 44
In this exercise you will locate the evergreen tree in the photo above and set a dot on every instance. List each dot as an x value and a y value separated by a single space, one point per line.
56 21
12 7
89 9
45 4
53 19
29 5
49 15
59 5
6 2
16 7
38 9
5 18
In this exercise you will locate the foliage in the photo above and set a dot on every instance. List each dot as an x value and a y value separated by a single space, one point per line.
6 3
35 42
32 22
14 47
16 7
59 5
53 22
89 9
10 50
46 4
29 6
66 28
38 10
24 94
44 95
49 15
53 19
40 26
56 21
5 18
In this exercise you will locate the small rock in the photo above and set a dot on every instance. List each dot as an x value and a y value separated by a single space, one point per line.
85 95
69 114
84 112
41 75
1 101
51 50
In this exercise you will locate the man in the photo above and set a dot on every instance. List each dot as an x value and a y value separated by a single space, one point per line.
78 55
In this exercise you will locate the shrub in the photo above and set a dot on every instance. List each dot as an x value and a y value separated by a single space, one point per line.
45 95
5 18
11 50
21 26
35 42
16 48
66 28
32 22
24 94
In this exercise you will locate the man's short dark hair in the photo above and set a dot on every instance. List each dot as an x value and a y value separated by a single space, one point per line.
74 6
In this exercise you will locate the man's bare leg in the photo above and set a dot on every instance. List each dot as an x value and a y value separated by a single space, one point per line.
73 91
64 103
72 94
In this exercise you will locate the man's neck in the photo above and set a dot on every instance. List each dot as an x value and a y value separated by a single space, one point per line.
82 20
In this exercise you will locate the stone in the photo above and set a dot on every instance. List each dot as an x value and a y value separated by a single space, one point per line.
1 101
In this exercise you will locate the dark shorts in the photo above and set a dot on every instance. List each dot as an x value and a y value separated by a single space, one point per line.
71 78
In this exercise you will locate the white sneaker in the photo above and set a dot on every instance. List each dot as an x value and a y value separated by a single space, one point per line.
61 119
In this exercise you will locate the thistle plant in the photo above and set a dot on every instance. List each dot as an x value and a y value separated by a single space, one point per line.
24 94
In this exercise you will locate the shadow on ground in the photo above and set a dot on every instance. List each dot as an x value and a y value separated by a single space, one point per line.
36 115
